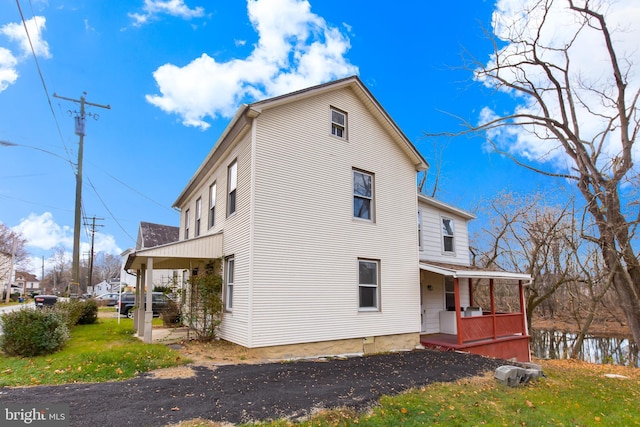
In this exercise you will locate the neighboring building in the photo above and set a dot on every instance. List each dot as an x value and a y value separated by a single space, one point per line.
26 283
152 235
310 199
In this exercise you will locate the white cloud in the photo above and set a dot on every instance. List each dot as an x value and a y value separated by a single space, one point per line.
15 32
42 232
35 25
296 48
590 69
153 8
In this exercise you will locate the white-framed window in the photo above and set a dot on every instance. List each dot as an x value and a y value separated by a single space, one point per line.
232 184
198 216
420 230
449 294
229 267
363 202
338 123
368 285
213 189
448 244
187 221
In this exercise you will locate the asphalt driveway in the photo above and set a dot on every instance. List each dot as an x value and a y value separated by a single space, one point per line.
241 393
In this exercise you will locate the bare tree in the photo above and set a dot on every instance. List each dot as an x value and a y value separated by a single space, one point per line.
592 122
106 266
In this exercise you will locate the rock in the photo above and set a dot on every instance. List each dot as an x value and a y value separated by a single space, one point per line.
514 376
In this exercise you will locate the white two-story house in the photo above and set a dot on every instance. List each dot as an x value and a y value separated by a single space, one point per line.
310 199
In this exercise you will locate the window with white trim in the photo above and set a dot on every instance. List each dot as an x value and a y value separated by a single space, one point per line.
229 267
338 123
198 216
187 221
448 245
368 285
363 195
232 184
212 204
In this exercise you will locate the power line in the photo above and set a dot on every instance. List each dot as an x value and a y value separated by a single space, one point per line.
109 210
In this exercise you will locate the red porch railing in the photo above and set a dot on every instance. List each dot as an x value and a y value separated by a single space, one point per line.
490 326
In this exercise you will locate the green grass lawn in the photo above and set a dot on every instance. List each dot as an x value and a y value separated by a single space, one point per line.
104 351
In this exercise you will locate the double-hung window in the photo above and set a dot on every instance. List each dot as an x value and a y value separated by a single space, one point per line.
229 279
368 285
187 221
198 216
212 204
338 123
362 195
448 245
232 184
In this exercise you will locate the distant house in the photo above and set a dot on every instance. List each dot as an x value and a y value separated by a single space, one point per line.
310 199
26 283
152 235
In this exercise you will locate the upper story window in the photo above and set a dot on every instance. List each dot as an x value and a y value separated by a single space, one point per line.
212 204
447 235
187 221
198 216
368 286
338 123
232 183
363 195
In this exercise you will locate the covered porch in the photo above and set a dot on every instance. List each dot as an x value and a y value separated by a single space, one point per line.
185 255
471 315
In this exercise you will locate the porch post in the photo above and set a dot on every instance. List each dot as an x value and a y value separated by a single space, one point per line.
135 299
523 308
148 314
138 313
493 307
456 296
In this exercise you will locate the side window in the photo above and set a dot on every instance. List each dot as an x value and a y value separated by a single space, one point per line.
447 235
187 221
449 294
198 216
338 123
368 285
229 279
232 183
212 204
363 202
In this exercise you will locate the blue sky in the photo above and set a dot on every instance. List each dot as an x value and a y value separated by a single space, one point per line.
174 72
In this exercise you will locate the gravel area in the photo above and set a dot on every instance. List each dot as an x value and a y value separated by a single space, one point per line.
252 392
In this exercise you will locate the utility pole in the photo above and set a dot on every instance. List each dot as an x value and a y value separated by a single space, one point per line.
80 122
93 233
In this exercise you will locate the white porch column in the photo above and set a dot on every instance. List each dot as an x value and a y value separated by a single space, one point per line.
148 314
138 312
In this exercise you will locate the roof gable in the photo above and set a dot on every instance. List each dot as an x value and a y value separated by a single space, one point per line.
150 235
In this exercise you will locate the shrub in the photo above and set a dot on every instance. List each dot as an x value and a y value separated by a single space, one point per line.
172 315
89 314
204 312
30 332
70 311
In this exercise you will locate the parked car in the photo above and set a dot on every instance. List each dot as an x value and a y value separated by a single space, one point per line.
159 302
45 300
109 299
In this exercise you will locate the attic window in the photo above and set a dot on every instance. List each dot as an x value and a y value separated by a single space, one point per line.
338 123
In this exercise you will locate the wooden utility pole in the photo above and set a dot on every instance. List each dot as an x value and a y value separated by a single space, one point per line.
93 233
80 122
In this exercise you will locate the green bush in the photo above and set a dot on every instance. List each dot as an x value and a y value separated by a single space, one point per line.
171 315
30 332
70 311
89 314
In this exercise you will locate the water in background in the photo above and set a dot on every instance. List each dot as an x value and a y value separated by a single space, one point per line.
549 344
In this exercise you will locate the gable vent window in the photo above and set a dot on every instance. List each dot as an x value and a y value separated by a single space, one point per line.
338 123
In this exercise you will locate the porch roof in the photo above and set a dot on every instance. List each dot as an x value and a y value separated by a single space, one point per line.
178 255
471 272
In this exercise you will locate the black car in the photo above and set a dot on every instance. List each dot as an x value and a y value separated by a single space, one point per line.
45 300
128 301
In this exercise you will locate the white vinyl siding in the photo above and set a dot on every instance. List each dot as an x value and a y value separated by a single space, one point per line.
305 239
432 248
